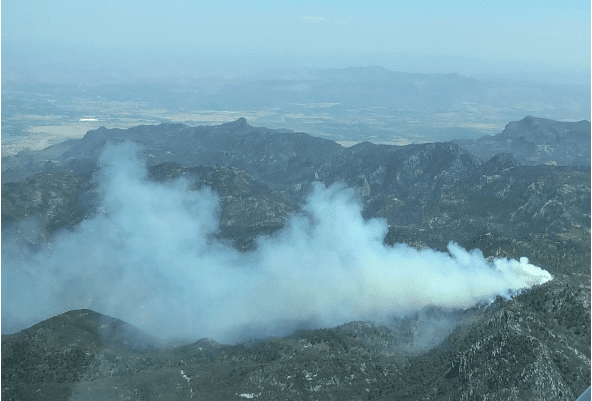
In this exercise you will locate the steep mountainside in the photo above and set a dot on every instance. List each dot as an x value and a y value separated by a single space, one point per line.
518 349
535 141
432 193
535 346
272 155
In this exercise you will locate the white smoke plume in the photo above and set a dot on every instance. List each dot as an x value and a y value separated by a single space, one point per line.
147 259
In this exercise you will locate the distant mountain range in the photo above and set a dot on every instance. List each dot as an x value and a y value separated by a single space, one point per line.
524 192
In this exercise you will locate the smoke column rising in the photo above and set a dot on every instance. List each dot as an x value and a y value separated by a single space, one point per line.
146 259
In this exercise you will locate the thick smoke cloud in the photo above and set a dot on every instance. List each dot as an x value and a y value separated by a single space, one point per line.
149 258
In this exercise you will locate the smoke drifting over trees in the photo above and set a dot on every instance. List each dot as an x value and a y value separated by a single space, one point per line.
150 258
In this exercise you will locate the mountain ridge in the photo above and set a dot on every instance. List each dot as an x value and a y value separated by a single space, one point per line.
534 140
534 346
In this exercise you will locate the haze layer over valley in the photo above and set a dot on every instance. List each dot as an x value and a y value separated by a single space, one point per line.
349 105
366 72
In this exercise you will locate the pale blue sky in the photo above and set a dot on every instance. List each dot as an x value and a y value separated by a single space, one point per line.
428 36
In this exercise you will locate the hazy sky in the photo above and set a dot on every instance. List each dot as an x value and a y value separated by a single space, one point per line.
425 36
